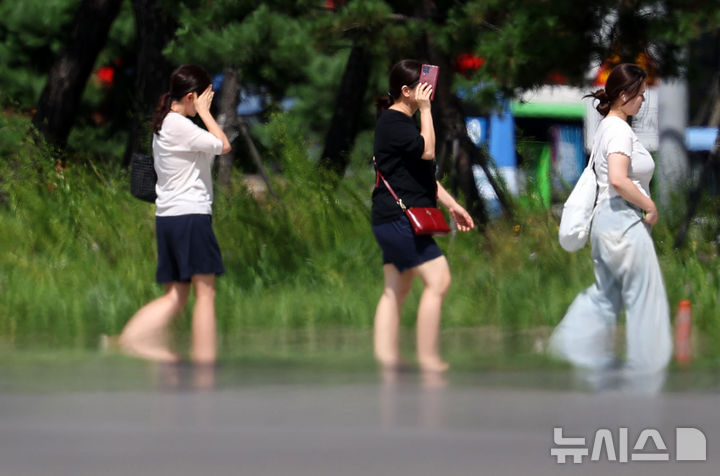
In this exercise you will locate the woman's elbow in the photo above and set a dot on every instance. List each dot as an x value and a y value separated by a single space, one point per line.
616 182
428 155
226 149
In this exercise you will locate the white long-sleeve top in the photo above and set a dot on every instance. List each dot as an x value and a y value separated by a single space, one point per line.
184 155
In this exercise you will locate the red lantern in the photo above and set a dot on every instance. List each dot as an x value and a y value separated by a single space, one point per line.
467 63
106 74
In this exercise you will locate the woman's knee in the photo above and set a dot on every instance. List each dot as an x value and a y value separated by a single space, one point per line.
207 294
397 284
178 294
438 285
442 285
436 276
204 286
396 293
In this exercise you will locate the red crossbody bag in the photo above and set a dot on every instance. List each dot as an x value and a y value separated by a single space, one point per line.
424 220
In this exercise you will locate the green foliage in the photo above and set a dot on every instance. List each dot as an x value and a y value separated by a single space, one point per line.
264 41
298 48
359 19
314 99
79 256
524 41
78 250
14 130
31 34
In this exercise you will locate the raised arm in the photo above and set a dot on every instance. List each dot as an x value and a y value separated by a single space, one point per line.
427 130
202 106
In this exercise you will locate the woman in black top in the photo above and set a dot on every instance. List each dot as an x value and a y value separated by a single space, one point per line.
405 157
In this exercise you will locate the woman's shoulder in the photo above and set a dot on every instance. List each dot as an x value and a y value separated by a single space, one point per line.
614 123
613 127
391 115
175 122
393 122
177 118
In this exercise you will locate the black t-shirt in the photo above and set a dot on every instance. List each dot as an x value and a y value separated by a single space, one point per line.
398 152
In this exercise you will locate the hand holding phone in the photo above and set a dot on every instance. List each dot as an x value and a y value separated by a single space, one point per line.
429 74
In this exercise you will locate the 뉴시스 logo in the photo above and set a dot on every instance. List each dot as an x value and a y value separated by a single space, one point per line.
690 445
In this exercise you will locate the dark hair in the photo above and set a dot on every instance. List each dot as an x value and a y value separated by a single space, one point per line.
186 79
625 78
403 73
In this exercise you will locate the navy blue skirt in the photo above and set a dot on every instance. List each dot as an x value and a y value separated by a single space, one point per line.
403 248
186 246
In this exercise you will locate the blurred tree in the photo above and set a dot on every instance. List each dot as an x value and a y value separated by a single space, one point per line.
229 98
31 34
156 24
349 104
267 43
358 25
259 47
332 57
521 44
69 73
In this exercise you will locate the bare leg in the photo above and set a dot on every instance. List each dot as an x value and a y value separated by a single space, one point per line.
204 340
387 315
435 275
143 336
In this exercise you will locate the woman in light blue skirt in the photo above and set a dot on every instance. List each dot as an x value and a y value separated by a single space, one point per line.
627 273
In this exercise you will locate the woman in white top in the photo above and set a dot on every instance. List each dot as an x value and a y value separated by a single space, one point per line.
627 272
188 253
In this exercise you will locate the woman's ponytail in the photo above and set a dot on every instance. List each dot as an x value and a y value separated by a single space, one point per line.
382 103
604 103
161 110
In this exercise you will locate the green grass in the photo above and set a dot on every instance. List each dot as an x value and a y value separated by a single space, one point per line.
78 259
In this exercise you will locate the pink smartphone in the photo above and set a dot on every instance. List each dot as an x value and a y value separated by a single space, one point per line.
429 74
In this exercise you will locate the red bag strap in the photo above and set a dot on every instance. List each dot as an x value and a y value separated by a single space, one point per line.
379 177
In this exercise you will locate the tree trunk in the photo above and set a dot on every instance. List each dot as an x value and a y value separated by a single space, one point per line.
348 107
66 82
242 126
228 113
155 26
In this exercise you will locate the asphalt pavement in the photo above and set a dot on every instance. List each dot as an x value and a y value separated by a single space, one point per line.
180 420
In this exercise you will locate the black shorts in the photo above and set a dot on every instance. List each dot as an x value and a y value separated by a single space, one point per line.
403 248
186 246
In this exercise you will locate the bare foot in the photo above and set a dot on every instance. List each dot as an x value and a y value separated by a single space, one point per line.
432 380
434 364
147 350
392 363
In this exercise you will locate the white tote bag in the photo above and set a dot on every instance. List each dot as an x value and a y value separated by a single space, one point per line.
579 210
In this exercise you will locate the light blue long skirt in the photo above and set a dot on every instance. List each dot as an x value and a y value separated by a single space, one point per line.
627 274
